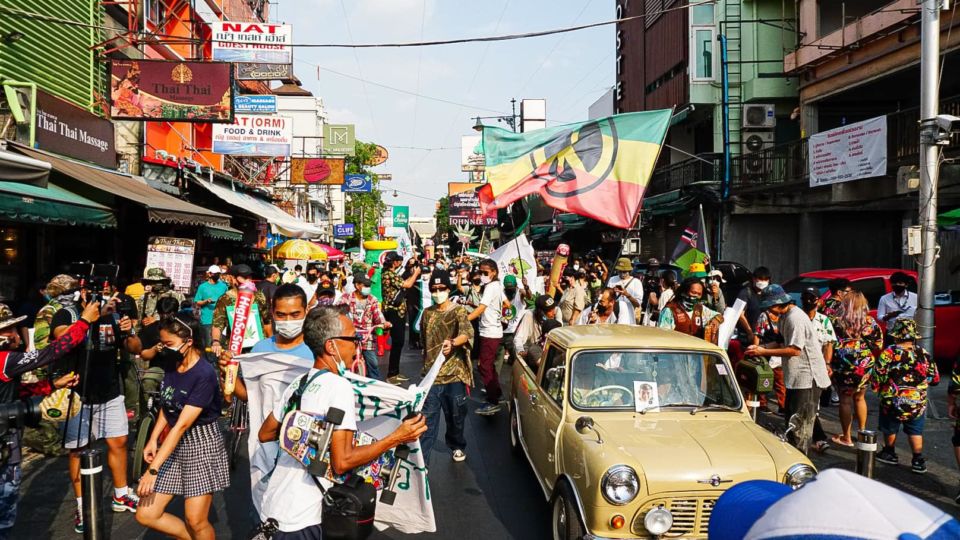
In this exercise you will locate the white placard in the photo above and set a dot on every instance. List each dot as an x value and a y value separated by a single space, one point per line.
254 135
175 256
255 42
731 316
849 152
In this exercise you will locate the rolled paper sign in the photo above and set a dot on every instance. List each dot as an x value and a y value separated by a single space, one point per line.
241 316
559 263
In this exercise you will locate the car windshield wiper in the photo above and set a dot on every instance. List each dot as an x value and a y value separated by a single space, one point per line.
667 405
714 406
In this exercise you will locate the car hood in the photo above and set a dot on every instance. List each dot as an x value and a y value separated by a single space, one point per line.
677 454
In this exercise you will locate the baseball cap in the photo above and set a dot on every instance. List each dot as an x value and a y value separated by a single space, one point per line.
762 509
544 302
510 281
717 273
810 292
362 279
774 295
214 269
653 262
442 277
241 270
60 284
326 287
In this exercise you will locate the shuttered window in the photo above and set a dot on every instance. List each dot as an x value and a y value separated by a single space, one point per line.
653 9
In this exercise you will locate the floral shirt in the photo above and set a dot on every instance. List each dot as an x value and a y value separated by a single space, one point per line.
854 356
365 314
831 308
901 377
390 283
824 328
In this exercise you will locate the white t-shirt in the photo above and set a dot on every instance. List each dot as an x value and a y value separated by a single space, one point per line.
308 288
291 497
492 297
634 287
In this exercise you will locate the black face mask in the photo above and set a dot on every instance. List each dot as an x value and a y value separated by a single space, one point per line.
215 278
171 355
899 288
312 278
511 291
475 281
809 305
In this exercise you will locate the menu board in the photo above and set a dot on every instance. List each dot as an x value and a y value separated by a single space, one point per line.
175 256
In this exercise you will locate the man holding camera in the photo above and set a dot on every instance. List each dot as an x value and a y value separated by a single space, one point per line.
293 498
103 414
13 364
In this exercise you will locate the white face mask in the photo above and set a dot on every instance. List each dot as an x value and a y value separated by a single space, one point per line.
485 279
341 366
440 297
761 285
288 329
365 291
576 267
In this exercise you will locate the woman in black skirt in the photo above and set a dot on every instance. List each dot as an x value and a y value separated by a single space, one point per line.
192 460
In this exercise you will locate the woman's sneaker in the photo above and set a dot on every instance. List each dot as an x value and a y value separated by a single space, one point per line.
918 465
77 521
127 503
888 456
459 455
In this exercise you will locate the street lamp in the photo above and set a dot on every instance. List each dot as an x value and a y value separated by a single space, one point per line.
510 120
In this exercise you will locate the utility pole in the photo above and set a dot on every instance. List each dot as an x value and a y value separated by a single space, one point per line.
929 164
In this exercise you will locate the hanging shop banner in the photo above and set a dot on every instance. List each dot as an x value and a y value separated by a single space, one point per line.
175 256
264 72
471 153
401 216
384 177
324 171
171 90
357 183
849 152
343 230
253 135
258 104
64 128
379 157
339 139
252 42
465 205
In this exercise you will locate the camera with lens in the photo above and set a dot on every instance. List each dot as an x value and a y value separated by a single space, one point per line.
17 415
94 278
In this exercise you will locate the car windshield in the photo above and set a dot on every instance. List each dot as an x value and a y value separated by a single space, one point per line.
797 285
648 380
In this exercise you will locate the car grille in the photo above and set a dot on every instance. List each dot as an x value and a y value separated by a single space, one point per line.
691 516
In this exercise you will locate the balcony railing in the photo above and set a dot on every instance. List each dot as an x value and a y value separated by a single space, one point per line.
684 173
779 165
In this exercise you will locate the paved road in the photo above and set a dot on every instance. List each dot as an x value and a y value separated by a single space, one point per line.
491 495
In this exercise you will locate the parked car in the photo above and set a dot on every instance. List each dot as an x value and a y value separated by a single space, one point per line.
874 283
635 432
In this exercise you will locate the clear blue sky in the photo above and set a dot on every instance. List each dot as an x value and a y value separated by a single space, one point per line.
569 70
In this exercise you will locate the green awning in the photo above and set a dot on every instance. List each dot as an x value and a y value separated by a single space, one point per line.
52 205
223 233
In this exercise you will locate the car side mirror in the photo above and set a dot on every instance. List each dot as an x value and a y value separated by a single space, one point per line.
585 424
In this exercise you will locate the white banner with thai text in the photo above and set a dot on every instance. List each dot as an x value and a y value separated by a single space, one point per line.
849 152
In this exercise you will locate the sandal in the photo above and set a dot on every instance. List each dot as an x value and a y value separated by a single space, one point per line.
838 439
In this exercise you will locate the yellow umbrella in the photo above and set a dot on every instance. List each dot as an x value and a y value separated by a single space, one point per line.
300 250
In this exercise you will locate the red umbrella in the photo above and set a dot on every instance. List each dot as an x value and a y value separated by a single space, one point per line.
333 254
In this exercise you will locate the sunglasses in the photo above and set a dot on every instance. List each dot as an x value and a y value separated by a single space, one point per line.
483 273
354 339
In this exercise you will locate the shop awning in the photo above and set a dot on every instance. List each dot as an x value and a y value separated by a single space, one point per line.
17 168
280 222
223 233
160 206
51 205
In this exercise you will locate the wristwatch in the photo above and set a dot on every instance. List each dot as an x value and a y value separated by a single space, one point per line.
153 472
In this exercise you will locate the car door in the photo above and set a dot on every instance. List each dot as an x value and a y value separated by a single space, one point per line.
545 413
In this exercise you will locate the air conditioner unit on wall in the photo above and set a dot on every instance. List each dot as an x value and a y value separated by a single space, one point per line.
755 159
759 116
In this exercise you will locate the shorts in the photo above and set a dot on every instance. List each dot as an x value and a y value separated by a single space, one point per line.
890 425
109 421
313 532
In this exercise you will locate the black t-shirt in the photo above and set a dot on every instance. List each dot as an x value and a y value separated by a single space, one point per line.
149 337
102 380
199 386
268 289
752 309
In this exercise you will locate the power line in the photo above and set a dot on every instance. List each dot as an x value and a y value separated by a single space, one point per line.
553 49
356 57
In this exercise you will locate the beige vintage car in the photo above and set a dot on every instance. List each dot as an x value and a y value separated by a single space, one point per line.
635 432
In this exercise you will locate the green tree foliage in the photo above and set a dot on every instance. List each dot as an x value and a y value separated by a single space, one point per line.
442 215
369 205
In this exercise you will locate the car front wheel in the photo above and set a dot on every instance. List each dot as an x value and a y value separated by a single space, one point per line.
566 522
514 432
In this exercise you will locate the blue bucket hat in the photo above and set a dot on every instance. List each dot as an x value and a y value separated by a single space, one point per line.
774 295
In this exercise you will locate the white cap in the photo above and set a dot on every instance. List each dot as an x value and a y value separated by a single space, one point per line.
718 274
214 269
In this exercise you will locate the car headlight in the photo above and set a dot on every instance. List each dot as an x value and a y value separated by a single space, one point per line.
620 485
798 475
658 521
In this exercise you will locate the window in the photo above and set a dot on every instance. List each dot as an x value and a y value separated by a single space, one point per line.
701 14
872 288
702 45
553 371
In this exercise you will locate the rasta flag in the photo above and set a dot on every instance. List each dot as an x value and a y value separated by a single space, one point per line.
598 169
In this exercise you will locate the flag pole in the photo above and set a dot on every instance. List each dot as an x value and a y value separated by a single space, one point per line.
706 238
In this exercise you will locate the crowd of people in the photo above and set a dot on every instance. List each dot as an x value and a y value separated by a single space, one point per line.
824 346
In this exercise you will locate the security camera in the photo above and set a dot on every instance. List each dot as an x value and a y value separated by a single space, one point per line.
948 123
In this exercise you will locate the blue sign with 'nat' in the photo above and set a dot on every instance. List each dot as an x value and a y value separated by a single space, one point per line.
255 104
357 183
343 230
